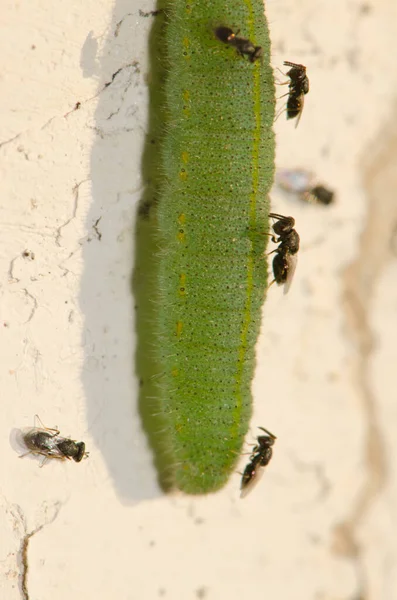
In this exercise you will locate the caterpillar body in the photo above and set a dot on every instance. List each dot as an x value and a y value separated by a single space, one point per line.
217 169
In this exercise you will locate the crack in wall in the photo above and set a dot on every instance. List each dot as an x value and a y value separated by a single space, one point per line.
76 192
11 278
65 270
35 305
360 281
12 139
95 228
136 70
21 524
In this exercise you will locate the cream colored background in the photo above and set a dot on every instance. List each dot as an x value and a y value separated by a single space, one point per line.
322 523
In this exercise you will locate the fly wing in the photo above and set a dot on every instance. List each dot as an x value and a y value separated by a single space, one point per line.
292 260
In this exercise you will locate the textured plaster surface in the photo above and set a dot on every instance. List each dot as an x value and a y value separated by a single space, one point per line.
321 524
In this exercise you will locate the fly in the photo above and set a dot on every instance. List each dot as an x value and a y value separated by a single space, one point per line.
48 442
302 183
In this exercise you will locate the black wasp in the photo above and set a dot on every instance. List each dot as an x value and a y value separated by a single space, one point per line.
48 443
298 86
259 458
284 263
243 46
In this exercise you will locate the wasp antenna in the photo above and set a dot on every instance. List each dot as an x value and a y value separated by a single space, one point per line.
268 432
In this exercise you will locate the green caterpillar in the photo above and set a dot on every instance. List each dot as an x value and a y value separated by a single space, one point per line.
217 165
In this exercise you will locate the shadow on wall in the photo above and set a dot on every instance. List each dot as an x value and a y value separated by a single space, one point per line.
106 299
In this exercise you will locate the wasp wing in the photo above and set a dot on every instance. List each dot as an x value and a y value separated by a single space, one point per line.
292 260
247 486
